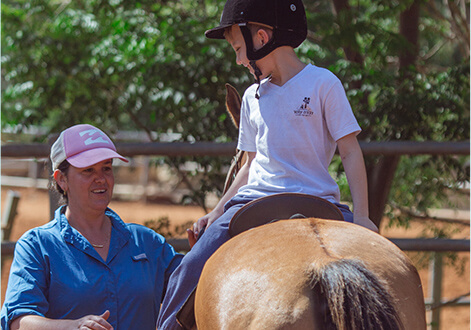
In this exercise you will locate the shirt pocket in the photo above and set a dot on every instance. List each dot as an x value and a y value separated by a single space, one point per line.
140 257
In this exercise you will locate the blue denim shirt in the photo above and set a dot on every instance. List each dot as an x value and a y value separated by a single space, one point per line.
56 273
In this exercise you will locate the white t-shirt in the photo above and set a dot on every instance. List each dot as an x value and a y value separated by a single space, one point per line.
294 129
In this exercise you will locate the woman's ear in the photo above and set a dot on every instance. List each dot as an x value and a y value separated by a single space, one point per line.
61 179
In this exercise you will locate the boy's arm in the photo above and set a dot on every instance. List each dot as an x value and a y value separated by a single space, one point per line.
354 165
239 181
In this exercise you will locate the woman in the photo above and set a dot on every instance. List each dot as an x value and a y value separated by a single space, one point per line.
87 269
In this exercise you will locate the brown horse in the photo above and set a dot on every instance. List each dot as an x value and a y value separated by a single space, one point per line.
307 274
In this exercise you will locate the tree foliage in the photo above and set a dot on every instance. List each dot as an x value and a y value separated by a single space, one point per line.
146 65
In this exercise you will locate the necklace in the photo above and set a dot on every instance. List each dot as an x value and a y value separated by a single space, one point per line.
98 245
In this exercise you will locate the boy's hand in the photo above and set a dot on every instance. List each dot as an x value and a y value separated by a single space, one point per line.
206 221
192 238
365 222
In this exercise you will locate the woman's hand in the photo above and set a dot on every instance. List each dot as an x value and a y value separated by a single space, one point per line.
95 322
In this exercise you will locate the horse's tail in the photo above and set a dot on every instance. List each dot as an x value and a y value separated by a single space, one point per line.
354 298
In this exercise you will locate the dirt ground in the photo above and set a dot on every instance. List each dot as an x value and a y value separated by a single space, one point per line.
33 210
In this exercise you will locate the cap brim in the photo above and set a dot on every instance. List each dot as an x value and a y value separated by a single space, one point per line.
93 156
217 32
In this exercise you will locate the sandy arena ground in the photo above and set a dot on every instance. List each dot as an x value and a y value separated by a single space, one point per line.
34 211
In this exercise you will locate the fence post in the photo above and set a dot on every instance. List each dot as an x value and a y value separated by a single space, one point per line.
33 172
435 283
144 177
13 197
54 196
9 214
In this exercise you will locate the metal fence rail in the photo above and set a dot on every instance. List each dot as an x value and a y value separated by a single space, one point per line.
436 246
41 150
405 244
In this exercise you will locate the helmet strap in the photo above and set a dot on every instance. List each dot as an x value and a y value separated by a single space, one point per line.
257 73
252 54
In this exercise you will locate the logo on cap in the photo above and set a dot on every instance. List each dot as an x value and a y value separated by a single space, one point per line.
90 140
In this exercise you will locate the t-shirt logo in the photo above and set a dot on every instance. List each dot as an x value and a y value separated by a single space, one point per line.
304 110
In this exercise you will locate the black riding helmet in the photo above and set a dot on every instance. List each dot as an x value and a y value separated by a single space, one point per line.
286 17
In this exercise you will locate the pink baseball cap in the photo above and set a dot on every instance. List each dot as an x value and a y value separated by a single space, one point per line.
82 146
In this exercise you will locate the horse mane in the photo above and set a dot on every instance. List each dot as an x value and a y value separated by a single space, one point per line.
353 297
233 103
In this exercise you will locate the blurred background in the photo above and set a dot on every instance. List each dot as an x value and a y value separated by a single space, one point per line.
144 72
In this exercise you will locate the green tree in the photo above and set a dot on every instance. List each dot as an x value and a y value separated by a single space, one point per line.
142 65
146 65
392 57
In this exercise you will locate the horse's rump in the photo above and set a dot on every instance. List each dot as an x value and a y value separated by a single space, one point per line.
309 274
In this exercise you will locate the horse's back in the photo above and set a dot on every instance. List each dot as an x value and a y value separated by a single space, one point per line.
263 278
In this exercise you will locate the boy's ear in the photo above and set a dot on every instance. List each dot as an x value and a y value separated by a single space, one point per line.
263 36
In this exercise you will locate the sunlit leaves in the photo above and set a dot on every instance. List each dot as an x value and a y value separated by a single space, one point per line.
146 65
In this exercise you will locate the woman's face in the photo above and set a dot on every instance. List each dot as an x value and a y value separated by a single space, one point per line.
89 188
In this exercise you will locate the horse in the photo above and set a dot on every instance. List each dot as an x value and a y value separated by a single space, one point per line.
307 273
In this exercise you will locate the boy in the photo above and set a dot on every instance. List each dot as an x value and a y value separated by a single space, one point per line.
292 119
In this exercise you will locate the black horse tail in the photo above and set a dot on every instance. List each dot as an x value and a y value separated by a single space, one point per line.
352 297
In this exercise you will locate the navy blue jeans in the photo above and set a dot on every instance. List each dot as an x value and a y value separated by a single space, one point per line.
185 278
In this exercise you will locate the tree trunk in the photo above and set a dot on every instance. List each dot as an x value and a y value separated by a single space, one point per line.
409 29
350 53
380 174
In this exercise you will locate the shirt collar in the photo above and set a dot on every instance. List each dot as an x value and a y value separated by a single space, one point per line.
120 237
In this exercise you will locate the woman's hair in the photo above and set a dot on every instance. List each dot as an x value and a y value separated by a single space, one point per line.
54 186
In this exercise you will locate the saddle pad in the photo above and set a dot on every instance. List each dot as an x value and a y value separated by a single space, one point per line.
281 206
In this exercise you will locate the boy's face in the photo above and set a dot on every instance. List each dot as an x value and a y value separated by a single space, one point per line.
235 38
